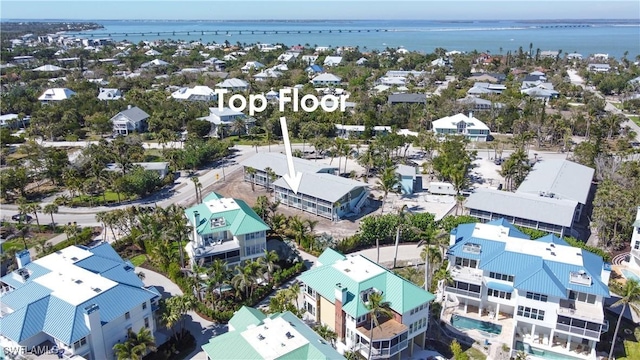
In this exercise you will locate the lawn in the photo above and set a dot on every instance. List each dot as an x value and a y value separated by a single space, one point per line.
109 196
635 119
475 354
138 260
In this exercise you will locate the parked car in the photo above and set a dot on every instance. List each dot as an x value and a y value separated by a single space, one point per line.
22 218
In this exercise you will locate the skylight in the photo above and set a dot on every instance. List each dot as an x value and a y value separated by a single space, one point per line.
471 248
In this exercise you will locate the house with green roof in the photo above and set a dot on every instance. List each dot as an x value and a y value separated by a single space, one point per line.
254 335
226 229
336 294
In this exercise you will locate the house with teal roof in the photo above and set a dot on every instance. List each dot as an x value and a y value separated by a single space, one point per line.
336 294
226 229
545 296
82 300
254 335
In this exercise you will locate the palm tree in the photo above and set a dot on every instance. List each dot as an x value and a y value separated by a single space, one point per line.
377 308
521 355
34 208
239 127
136 346
630 297
432 255
388 183
51 209
325 332
311 225
242 280
294 291
252 172
198 187
219 273
271 175
298 228
72 230
269 260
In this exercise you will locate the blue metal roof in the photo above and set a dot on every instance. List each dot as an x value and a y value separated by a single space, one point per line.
513 231
499 286
25 322
463 231
541 280
97 264
106 251
123 276
510 263
35 271
27 294
553 239
488 248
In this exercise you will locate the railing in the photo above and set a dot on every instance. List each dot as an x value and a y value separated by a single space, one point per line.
582 314
468 293
381 353
579 331
361 202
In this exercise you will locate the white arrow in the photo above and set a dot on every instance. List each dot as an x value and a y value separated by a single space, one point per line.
293 178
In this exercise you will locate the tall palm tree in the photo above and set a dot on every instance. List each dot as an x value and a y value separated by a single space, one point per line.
631 298
34 208
252 172
198 187
219 273
294 291
51 209
388 183
239 127
72 230
378 308
136 346
242 280
271 176
298 229
270 260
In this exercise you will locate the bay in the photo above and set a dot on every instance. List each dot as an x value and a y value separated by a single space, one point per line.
613 37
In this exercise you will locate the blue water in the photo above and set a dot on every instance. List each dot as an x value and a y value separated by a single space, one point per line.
585 37
630 275
545 354
464 323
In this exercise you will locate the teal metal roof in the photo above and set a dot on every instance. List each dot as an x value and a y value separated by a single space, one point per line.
233 346
246 316
330 256
401 294
238 221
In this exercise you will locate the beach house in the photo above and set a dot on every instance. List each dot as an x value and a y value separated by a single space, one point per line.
222 121
461 124
133 119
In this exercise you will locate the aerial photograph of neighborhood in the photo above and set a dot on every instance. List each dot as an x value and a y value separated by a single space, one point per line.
292 180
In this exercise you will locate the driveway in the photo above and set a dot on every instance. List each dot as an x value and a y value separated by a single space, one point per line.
200 328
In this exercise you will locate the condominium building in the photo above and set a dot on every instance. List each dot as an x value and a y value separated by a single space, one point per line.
254 335
545 294
336 294
79 300
226 229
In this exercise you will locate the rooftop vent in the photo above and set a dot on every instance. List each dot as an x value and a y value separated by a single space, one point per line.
552 245
23 273
96 290
128 268
553 254
260 337
78 281
289 336
282 344
347 270
74 258
548 249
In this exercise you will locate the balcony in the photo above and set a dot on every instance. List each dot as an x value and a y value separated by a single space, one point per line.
581 310
380 353
463 273
389 338
468 293
579 331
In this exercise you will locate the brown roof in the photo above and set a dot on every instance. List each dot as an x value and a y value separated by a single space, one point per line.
387 330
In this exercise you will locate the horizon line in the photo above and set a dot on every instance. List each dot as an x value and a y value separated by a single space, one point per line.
299 20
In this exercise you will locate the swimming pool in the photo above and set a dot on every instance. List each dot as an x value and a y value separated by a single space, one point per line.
464 323
630 275
544 354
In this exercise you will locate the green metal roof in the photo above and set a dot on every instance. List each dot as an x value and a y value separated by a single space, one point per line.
330 256
246 316
238 221
229 346
401 294
233 346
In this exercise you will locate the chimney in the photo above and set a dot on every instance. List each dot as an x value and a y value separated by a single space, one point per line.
470 114
196 221
96 337
128 107
605 273
452 237
340 298
23 258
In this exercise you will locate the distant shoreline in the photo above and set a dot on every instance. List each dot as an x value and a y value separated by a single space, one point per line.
551 21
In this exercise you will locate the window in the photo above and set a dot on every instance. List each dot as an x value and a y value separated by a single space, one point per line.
582 297
144 305
146 322
636 245
503 277
127 316
361 319
80 343
499 294
536 296
466 262
530 313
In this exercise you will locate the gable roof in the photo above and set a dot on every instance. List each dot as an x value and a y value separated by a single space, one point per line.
233 83
39 307
524 205
56 94
278 163
323 186
327 77
246 316
451 122
239 219
134 114
356 273
407 98
563 178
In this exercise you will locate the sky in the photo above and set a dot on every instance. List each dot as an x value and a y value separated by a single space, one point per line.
319 10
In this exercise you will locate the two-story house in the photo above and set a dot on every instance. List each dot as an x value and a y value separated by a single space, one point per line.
222 121
460 124
82 300
336 294
133 119
545 294
225 229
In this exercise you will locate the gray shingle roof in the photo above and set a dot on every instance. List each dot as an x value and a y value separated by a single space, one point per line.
134 114
524 205
563 178
408 98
